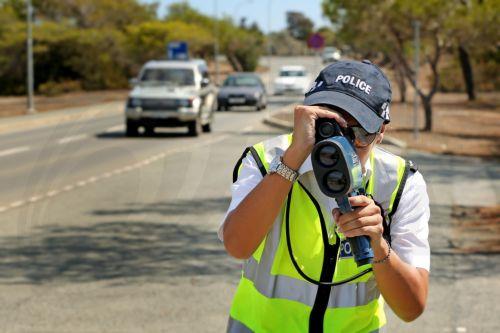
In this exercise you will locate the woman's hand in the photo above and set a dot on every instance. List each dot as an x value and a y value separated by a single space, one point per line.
365 219
304 120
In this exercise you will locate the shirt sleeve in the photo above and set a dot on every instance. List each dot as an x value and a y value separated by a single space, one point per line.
410 224
248 178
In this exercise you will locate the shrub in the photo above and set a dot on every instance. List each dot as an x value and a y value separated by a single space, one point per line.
51 88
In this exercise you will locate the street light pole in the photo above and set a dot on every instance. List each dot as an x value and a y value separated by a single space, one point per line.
269 2
29 69
216 42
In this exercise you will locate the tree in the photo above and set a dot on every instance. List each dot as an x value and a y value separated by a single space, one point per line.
475 32
392 21
298 25
96 13
241 45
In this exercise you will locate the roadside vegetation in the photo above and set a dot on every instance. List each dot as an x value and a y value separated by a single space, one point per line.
459 44
100 44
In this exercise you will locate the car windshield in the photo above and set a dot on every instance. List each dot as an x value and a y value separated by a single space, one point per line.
241 81
292 73
170 76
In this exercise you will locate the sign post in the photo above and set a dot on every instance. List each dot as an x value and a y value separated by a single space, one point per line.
177 51
316 42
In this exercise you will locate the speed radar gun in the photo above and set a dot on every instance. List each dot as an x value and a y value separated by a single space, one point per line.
339 175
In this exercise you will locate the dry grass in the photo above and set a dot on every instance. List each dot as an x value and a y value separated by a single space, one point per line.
477 229
11 106
460 127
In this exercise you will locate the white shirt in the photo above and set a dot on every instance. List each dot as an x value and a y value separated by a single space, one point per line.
409 227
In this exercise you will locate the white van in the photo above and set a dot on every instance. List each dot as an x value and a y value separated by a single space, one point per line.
171 93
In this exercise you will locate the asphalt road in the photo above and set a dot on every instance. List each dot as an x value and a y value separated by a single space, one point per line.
100 232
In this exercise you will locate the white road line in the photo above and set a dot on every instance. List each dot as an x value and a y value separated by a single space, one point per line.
34 198
116 128
17 204
13 151
68 188
72 138
52 193
109 174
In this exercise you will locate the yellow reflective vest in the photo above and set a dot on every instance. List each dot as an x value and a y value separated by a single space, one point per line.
273 297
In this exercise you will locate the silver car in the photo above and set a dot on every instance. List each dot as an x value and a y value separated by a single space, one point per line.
171 94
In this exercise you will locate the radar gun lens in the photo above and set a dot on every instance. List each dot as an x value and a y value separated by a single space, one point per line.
336 181
328 156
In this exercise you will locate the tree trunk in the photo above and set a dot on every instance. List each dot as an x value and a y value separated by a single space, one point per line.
463 55
426 102
235 64
400 79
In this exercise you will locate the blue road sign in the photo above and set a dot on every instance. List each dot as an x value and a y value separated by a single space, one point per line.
177 51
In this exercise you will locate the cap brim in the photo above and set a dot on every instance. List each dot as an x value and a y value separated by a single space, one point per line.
365 116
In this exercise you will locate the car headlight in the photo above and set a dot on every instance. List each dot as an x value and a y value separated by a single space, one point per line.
134 102
196 102
256 94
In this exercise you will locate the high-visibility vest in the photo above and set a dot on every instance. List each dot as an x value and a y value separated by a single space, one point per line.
273 297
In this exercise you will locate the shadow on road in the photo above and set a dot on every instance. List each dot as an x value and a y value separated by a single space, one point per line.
112 250
197 207
121 135
124 246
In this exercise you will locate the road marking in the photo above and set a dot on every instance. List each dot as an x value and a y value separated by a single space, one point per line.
34 198
461 329
109 174
13 151
73 138
17 204
117 128
92 180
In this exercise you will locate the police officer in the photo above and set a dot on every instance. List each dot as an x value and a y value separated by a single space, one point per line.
277 205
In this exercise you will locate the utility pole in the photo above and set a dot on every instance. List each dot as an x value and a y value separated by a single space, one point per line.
29 45
416 27
269 3
216 42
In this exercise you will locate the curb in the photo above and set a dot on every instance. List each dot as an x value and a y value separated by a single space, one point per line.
287 125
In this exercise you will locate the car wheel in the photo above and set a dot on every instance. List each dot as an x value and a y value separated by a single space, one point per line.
131 129
207 128
194 128
221 108
149 130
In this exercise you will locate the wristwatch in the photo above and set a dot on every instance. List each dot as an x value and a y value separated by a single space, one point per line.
277 166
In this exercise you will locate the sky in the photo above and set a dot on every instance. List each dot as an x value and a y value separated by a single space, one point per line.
255 10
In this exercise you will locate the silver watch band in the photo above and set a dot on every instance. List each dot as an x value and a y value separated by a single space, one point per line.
284 171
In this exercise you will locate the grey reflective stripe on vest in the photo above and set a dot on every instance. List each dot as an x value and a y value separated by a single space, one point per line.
285 287
235 326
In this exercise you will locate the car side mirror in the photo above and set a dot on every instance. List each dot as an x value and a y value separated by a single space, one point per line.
133 82
205 82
